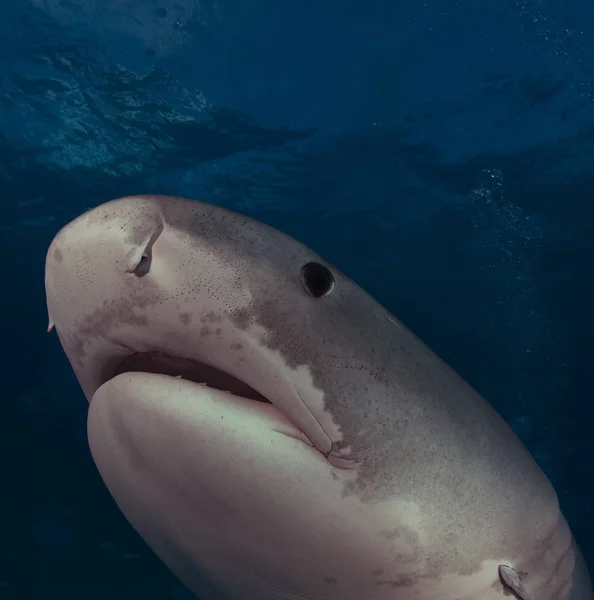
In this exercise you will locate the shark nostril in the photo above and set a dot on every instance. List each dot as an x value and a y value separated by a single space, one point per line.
139 259
144 265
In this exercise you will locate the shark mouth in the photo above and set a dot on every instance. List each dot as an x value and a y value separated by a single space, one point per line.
165 364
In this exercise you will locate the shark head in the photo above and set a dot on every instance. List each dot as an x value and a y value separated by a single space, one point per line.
273 432
164 304
176 287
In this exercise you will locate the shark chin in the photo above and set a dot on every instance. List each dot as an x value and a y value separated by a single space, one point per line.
274 433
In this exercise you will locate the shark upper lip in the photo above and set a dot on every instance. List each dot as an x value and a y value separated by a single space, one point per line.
192 370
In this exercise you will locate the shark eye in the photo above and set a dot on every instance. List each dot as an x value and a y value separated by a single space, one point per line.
317 280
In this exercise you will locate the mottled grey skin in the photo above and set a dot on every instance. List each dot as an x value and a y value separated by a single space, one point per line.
415 429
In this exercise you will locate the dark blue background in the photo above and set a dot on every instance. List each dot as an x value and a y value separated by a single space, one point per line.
439 152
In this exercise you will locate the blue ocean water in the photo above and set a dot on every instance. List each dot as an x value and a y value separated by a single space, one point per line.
439 153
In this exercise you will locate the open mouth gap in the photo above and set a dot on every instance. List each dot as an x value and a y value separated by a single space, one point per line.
165 364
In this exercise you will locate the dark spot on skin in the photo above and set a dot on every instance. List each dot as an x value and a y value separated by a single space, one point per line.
140 320
185 318
204 331
242 318
402 581
406 548
389 535
211 317
218 331
236 346
378 572
469 570
329 579
58 256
